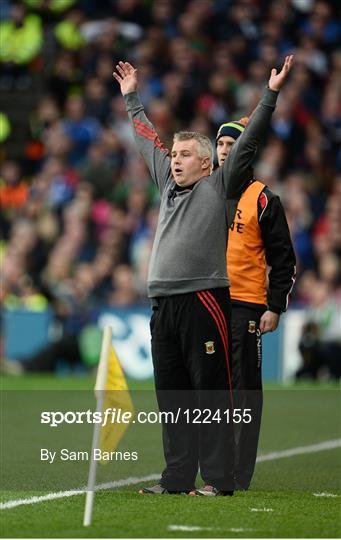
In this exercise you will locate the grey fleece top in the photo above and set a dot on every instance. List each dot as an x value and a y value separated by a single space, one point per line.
189 250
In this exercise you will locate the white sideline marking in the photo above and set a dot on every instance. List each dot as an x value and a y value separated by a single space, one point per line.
188 528
323 494
239 529
325 445
261 509
195 528
319 447
61 494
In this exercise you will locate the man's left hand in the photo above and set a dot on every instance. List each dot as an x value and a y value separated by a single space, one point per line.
268 322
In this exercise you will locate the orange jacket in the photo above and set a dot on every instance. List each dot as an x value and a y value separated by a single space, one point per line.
246 254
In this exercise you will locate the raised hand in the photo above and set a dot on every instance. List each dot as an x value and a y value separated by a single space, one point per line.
126 77
276 81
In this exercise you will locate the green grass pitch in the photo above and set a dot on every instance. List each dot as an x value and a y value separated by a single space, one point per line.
281 503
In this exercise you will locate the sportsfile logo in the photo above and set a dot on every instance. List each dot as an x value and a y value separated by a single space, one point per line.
108 416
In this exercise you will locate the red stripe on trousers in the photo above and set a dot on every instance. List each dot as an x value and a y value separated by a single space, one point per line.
219 322
223 322
223 335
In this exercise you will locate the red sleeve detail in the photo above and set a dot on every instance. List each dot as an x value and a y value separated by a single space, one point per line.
149 133
263 203
263 200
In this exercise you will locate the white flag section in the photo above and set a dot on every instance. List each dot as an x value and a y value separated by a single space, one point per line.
102 374
111 391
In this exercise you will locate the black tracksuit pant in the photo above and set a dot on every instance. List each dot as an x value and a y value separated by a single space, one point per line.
192 365
247 387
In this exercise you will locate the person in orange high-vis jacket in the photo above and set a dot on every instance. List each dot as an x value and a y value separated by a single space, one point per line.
258 238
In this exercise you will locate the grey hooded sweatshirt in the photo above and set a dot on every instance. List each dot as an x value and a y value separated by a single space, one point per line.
189 250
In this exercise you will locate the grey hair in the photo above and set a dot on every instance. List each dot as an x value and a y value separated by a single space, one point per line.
205 148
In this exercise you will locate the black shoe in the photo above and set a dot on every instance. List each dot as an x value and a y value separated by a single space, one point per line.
211 491
158 489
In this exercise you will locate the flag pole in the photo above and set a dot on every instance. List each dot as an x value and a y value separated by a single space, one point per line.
101 379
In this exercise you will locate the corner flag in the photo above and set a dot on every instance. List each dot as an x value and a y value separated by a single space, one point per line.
111 390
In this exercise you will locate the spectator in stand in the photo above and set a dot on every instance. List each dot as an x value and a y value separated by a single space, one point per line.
47 115
320 344
68 31
13 189
81 129
65 77
21 42
96 99
124 289
98 171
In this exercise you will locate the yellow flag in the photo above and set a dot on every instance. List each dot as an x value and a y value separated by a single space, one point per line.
117 397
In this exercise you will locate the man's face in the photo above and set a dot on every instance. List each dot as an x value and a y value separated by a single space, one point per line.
224 145
186 164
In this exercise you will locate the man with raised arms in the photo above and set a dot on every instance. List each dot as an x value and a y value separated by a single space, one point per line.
189 288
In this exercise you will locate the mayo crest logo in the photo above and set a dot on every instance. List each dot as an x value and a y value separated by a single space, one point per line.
252 327
210 347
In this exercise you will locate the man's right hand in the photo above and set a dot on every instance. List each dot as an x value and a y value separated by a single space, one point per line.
126 77
277 80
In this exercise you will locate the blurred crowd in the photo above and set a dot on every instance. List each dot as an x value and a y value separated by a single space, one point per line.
78 210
